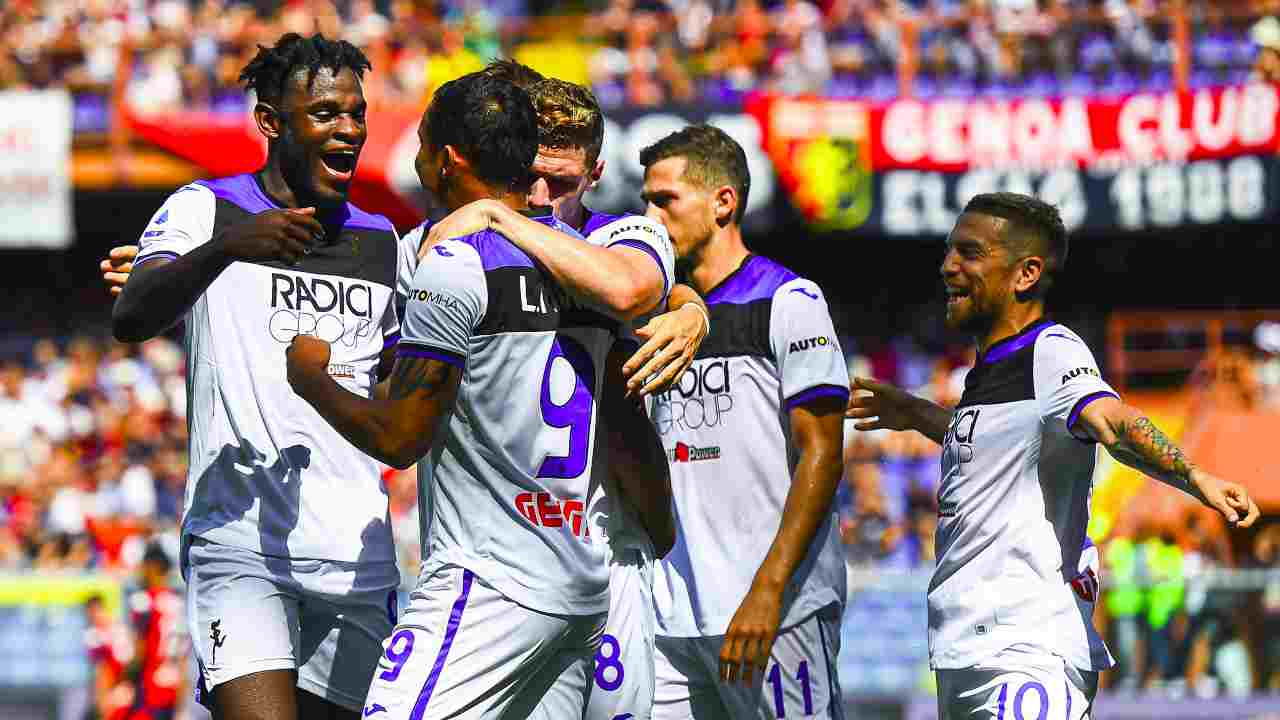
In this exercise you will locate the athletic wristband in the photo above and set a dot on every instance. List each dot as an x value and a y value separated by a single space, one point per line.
705 317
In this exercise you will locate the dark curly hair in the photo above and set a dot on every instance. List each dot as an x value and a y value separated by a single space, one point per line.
272 67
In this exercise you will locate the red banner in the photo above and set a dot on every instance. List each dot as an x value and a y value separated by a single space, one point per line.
225 144
959 135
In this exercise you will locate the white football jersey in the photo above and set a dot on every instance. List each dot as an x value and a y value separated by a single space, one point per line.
727 429
509 480
613 521
267 473
1013 505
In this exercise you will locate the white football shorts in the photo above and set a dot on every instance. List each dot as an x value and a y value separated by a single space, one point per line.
800 681
249 613
464 650
624 661
1020 683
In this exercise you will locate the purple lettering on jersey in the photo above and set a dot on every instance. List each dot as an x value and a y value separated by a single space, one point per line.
450 632
757 278
397 657
611 660
1044 701
574 414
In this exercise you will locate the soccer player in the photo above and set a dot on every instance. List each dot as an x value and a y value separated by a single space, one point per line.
287 552
571 132
749 600
1006 636
161 656
498 375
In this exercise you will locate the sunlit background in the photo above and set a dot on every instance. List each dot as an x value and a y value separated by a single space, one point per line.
867 124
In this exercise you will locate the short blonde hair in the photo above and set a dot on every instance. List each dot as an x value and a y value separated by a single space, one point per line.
568 116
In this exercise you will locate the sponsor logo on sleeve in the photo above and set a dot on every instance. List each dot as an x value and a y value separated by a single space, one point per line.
1079 372
431 297
811 294
809 343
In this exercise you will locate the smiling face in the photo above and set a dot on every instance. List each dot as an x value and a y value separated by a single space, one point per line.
979 273
321 133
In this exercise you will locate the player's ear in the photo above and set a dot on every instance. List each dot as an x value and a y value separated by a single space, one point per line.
268 120
451 161
726 203
596 173
1030 271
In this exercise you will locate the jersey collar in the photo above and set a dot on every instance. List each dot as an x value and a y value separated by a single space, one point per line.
727 278
1005 347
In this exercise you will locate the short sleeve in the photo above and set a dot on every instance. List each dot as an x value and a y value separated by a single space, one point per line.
183 223
804 344
1067 378
407 262
643 234
447 300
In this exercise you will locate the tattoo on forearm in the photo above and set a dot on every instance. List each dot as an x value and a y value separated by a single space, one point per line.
1141 442
412 376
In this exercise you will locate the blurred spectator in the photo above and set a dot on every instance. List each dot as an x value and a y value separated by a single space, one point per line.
1265 34
1266 555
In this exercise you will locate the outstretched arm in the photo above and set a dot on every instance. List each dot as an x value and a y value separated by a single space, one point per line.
883 406
1134 440
623 280
397 429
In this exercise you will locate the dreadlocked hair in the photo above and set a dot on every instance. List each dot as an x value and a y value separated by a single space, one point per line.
270 69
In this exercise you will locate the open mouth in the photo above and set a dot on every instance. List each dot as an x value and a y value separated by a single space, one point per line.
340 163
955 295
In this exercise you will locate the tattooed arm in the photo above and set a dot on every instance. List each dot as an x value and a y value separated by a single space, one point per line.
1134 440
397 428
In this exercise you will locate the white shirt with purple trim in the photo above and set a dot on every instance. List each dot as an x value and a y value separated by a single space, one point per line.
509 477
614 521
726 427
267 473
1014 505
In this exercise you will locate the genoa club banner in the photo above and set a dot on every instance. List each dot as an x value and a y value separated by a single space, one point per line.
901 168
1139 162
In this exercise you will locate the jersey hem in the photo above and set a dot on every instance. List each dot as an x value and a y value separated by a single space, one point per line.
815 392
666 282
409 348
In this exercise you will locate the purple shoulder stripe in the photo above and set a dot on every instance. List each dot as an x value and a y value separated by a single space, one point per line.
1079 407
758 278
599 220
819 391
1011 345
244 192
409 349
666 281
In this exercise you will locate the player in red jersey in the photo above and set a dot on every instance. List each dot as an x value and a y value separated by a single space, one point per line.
156 613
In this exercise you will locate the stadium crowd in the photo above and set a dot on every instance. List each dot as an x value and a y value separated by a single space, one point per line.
93 466
165 54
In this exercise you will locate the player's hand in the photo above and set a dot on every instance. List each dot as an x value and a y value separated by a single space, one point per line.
879 405
117 266
306 358
473 217
284 235
1231 500
671 340
749 640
